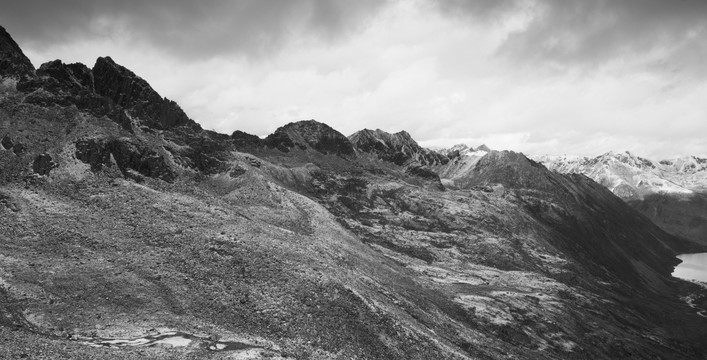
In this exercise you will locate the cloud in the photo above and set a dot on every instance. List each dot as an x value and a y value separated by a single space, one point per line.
667 35
188 29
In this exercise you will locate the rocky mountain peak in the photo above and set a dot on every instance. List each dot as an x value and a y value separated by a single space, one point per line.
511 169
483 147
399 148
402 135
459 148
134 94
13 62
72 77
627 158
310 134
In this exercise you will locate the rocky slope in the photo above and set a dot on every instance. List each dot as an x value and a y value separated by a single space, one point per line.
125 225
670 192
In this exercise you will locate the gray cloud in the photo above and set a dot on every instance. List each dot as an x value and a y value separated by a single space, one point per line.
185 28
571 32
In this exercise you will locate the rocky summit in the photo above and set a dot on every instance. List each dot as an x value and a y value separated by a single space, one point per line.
129 232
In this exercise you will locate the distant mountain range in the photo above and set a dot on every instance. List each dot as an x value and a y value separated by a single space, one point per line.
672 193
632 177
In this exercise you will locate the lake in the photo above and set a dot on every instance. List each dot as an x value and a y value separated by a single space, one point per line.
692 267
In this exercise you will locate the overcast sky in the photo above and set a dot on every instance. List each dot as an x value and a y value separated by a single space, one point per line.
537 76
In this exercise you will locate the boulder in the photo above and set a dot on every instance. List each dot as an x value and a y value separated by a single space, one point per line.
43 164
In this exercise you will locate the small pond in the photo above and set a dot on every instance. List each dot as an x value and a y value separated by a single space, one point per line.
692 267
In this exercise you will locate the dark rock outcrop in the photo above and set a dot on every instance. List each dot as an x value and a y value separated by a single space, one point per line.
71 78
309 133
57 77
426 174
7 142
398 148
281 141
13 62
66 85
134 94
244 141
93 152
18 148
43 164
236 171
129 156
205 151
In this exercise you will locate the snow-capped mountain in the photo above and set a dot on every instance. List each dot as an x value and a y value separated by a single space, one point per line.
631 176
461 150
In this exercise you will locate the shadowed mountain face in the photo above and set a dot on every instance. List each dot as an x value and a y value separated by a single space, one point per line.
682 215
125 223
13 62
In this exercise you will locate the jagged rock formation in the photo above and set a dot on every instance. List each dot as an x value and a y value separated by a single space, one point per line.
402 150
130 157
308 245
398 148
107 89
134 94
